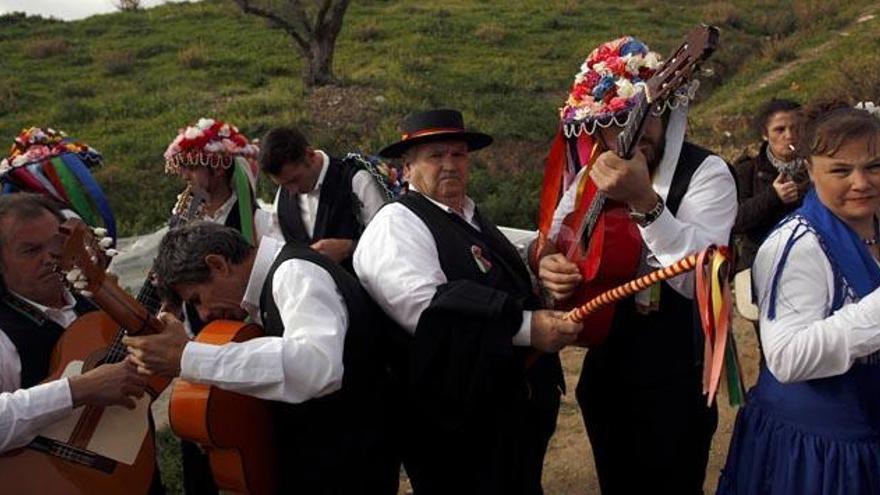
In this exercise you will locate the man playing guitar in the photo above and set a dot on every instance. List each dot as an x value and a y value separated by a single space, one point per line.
640 391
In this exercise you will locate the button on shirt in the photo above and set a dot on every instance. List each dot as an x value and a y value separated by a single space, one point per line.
398 264
24 412
305 362
363 186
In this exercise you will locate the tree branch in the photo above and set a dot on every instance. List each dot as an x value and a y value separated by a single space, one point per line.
247 7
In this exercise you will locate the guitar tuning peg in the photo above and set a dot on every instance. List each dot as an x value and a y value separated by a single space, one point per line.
111 252
73 275
105 242
707 72
100 231
86 293
80 285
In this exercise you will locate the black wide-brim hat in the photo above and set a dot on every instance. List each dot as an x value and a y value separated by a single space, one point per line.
434 125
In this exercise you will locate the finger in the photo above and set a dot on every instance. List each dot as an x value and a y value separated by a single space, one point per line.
142 369
138 362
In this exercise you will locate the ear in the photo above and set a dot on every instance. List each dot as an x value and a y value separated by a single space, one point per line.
218 264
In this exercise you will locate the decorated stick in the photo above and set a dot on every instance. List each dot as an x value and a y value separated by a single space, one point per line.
623 291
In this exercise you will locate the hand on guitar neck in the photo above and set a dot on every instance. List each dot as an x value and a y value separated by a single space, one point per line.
108 385
161 353
627 181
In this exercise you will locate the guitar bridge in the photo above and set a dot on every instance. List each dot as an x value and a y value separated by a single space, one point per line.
73 454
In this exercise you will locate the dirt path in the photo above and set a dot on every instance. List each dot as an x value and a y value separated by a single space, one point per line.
568 468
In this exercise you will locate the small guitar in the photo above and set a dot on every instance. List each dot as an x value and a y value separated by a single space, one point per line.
599 236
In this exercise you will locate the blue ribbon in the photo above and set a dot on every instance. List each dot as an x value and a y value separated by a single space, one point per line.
88 182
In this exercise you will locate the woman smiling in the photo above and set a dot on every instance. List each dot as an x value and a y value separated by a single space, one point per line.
812 422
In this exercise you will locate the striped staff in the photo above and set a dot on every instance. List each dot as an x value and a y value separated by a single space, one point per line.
713 299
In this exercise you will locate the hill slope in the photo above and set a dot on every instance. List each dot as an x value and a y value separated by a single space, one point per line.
125 82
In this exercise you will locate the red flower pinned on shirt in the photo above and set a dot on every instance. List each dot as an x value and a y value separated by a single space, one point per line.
482 263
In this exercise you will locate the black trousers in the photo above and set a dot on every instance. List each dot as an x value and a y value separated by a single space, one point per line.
503 454
647 438
197 476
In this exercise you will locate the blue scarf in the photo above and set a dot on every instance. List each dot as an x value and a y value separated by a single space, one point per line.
851 262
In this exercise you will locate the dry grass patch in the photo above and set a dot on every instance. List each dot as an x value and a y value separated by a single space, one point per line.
192 57
45 48
116 62
490 32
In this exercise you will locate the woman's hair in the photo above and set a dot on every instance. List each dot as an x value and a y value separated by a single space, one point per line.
770 109
829 131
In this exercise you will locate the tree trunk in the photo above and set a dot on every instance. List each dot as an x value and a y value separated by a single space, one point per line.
318 64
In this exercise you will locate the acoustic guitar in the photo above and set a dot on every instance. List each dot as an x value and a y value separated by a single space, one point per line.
95 449
599 236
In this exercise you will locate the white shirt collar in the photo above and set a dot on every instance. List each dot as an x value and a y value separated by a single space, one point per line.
266 254
467 210
222 213
324 165
63 316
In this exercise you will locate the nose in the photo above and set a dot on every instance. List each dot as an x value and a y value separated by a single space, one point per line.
859 180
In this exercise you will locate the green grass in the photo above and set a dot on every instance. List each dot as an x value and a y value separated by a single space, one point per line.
125 82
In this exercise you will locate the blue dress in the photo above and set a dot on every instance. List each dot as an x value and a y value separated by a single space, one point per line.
819 436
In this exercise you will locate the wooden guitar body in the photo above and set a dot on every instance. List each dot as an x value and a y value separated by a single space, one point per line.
234 429
611 259
114 454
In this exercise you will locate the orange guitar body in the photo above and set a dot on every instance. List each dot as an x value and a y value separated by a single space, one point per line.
611 259
31 471
234 429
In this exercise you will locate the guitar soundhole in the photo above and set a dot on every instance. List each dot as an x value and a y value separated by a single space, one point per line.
74 454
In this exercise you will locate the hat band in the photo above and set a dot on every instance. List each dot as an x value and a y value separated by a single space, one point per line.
430 131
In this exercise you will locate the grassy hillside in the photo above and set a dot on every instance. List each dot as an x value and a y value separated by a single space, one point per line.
125 82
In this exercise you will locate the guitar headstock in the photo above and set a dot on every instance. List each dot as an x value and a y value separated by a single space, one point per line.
75 247
680 66
190 206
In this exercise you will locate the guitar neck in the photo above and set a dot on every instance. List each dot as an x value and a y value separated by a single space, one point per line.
628 139
128 312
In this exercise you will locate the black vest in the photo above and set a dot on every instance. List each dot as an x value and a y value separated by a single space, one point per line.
338 213
338 443
456 241
33 335
648 349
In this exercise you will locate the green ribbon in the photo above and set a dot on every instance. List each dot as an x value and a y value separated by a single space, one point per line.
74 191
242 186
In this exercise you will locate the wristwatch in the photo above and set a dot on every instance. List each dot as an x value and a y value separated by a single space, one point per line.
646 218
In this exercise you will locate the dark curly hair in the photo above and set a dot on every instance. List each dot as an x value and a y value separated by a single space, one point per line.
279 146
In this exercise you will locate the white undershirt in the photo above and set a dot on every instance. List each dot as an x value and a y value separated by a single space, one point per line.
363 186
705 216
305 362
24 412
802 343
398 264
262 219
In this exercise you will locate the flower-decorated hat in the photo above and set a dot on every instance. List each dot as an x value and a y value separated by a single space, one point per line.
217 144
606 88
48 162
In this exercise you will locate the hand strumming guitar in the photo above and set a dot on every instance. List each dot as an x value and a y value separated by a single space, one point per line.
159 354
108 385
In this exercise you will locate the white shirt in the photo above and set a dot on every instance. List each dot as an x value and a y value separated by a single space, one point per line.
305 362
24 412
398 264
363 186
802 343
705 216
262 219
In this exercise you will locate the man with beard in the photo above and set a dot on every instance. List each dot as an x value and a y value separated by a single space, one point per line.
640 392
473 418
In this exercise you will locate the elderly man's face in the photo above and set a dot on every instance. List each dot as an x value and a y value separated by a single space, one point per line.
440 170
27 267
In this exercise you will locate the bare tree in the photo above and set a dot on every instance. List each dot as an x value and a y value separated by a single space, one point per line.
127 5
313 25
